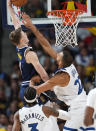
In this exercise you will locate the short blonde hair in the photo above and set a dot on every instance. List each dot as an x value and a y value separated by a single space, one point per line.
15 36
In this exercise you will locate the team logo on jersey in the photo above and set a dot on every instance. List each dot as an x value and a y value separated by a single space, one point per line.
19 56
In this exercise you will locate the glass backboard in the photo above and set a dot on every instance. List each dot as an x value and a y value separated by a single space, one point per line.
85 5
37 10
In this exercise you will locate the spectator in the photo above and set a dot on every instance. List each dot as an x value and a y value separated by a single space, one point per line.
3 102
14 89
11 119
12 108
2 84
83 58
15 66
90 69
9 128
81 72
3 122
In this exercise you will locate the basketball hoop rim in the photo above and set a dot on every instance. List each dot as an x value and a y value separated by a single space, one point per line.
76 11
65 23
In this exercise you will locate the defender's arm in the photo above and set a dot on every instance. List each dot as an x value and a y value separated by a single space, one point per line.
43 41
88 119
90 106
58 80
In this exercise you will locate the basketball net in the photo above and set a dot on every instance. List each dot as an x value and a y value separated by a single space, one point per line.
65 23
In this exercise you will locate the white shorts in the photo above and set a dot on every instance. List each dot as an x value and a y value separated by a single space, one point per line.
77 118
51 125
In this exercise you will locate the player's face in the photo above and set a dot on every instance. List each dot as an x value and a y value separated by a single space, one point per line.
59 59
24 37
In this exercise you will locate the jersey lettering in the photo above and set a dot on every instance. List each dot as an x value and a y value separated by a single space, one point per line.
78 82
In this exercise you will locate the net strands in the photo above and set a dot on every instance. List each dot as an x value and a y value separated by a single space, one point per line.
66 27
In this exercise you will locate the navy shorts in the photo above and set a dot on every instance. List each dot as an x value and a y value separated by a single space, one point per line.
22 89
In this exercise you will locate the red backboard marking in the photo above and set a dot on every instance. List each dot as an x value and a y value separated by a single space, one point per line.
78 5
81 6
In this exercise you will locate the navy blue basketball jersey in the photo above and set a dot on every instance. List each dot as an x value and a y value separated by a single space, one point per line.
27 70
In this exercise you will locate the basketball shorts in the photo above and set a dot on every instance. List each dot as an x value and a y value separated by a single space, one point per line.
76 121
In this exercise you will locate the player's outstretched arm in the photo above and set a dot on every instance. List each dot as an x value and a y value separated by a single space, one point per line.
57 80
16 125
15 20
32 58
43 41
88 119
90 106
48 111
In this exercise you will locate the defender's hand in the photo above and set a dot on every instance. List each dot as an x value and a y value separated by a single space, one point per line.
31 84
36 79
26 20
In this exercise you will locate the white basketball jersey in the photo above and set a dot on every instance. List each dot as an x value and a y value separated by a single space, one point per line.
33 119
74 87
91 99
91 102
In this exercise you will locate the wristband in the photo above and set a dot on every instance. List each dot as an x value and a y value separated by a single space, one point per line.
63 115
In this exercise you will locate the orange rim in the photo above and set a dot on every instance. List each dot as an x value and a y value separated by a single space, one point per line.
68 16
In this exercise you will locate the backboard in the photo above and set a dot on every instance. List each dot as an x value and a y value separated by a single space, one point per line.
37 9
88 6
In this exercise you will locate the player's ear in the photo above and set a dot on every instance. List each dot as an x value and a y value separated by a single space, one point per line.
22 40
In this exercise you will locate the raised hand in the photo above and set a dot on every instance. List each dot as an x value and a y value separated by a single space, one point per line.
26 20
9 3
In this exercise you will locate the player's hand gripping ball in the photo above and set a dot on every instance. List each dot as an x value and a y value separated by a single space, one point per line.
18 3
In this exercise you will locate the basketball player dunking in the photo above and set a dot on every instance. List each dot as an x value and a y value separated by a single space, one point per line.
37 118
66 82
28 60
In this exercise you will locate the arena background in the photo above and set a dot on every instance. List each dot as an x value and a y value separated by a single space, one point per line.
10 74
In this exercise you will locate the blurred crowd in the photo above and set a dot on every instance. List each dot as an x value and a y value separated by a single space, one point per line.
9 83
36 8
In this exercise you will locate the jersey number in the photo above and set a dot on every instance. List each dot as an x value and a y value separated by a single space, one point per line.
33 126
78 82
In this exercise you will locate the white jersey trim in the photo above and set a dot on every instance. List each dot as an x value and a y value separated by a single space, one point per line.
25 83
27 50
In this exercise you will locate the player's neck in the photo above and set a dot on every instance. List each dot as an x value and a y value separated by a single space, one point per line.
63 65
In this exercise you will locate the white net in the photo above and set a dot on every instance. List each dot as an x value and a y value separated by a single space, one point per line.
65 27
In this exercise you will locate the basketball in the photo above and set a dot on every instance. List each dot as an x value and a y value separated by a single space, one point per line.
19 3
